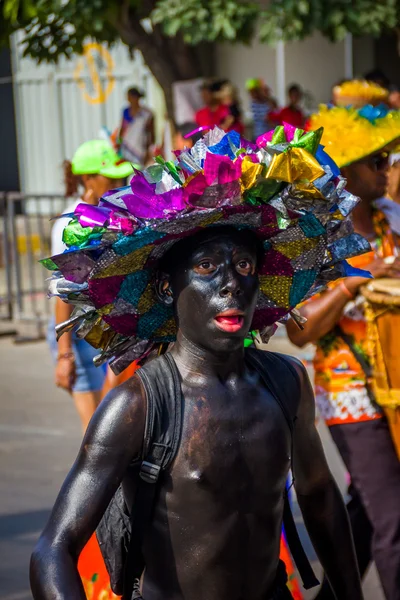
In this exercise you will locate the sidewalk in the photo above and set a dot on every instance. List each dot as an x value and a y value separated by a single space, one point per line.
39 439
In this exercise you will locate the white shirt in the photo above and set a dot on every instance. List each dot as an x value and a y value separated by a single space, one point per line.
57 245
391 211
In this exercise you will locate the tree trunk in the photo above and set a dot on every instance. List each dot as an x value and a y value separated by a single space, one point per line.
169 59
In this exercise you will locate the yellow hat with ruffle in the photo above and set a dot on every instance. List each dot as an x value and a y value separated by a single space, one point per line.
351 134
358 93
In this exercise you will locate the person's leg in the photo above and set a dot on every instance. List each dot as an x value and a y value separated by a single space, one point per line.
362 530
89 381
371 460
86 403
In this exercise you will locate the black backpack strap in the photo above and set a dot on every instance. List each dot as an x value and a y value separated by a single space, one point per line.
161 382
274 369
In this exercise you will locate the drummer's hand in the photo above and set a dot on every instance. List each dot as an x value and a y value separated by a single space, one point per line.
379 268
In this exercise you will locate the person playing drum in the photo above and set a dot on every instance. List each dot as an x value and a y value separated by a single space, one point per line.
359 140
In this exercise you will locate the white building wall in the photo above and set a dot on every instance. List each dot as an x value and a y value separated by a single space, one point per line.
54 117
240 62
315 63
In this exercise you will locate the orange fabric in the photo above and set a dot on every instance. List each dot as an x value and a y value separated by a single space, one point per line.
292 584
339 379
93 572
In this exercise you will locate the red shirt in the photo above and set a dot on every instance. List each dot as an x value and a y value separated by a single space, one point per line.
205 117
289 114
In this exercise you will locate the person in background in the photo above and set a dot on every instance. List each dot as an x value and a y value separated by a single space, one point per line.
394 97
379 77
345 392
214 112
136 134
186 136
229 97
390 203
292 113
95 168
261 104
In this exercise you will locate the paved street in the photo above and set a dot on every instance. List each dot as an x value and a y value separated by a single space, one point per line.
39 437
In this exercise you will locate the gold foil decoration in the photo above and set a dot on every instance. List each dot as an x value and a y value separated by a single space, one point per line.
98 337
296 248
307 190
250 172
127 264
293 165
277 288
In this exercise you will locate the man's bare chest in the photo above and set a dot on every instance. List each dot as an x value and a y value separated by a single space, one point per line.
233 443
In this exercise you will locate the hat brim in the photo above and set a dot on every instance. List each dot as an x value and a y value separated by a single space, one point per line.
118 171
387 146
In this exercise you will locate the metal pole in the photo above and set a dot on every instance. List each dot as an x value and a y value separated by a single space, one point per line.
280 73
14 250
7 257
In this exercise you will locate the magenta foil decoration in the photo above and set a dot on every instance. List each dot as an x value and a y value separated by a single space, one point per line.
146 204
220 169
289 131
275 263
197 130
104 291
123 324
263 139
194 189
120 223
267 316
92 216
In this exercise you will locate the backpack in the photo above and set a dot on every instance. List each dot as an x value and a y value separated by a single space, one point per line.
121 531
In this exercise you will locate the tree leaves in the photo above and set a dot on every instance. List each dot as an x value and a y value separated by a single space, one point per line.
55 28
289 20
207 20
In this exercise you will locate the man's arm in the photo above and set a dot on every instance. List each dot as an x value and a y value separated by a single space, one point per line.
114 437
323 313
321 503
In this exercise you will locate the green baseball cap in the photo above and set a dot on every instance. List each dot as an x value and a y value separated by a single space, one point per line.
97 157
253 84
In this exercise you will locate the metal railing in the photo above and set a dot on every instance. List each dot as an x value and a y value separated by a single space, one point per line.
25 238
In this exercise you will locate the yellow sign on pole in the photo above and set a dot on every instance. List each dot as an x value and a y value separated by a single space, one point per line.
94 73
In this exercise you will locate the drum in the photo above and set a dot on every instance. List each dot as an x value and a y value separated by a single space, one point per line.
382 312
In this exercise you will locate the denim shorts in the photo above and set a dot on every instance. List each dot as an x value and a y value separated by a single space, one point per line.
88 377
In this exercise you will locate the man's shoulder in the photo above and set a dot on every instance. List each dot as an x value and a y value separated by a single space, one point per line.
287 361
125 399
285 376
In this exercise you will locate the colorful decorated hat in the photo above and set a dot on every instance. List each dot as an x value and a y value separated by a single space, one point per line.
358 93
351 134
97 157
284 188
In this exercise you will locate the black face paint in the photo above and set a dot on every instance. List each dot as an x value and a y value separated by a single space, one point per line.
215 287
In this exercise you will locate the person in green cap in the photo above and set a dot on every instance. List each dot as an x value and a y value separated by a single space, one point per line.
261 104
95 168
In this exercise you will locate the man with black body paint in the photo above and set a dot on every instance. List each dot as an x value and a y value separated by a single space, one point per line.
217 523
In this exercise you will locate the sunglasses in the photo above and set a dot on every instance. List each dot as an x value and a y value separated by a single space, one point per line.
377 162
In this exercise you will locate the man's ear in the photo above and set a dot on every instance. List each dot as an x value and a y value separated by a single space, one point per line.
163 289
